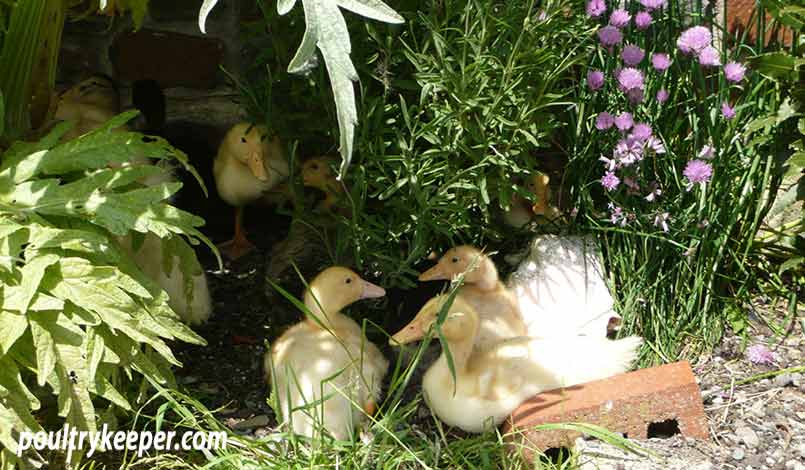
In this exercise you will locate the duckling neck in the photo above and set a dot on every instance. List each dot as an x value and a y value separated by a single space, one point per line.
487 276
325 308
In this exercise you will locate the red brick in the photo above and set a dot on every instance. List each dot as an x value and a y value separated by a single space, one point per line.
626 403
172 59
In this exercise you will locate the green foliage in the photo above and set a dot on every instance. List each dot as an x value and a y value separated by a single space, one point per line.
79 319
326 30
468 98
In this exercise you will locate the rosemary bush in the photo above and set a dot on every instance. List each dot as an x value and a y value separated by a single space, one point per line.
465 100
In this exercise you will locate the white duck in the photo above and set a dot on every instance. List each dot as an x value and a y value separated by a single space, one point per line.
247 166
490 384
326 374
499 314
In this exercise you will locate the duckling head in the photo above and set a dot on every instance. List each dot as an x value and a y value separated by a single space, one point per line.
317 173
248 144
537 184
337 287
461 321
479 269
98 90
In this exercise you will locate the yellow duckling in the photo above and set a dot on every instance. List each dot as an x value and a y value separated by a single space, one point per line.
522 211
89 104
317 172
326 362
490 384
248 165
193 310
499 315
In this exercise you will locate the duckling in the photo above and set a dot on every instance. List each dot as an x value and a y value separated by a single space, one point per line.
328 359
522 211
193 310
499 315
490 384
317 173
247 166
89 104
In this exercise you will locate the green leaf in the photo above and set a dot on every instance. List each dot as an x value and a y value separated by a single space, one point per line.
2 113
32 274
13 325
775 65
791 264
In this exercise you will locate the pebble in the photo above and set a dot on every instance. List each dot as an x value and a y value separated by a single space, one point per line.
738 454
748 436
783 380
794 465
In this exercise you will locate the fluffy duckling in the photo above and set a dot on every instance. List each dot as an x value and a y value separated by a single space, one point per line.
248 165
499 315
317 172
89 104
490 384
193 310
522 211
328 359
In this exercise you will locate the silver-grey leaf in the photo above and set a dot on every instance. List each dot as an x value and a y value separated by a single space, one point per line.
374 9
284 6
204 12
307 49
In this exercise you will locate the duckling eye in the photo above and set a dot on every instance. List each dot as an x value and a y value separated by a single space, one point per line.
243 139
314 166
349 280
455 259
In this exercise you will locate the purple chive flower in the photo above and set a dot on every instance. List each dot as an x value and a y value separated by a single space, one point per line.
632 186
660 61
640 132
610 181
609 36
694 39
709 57
630 79
708 152
661 220
662 95
655 145
654 192
616 215
697 172
635 95
628 151
632 55
727 111
620 18
611 164
652 4
596 8
642 20
759 354
595 79
624 122
604 121
734 72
